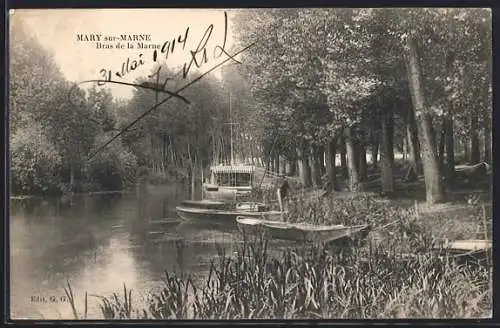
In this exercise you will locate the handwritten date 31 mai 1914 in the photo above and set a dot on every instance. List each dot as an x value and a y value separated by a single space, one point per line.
197 57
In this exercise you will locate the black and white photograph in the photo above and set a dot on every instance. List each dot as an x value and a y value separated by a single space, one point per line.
250 163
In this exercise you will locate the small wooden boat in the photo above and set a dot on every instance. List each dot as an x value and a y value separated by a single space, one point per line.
473 172
469 250
220 211
299 231
468 245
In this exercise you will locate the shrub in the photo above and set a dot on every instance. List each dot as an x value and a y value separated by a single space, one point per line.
113 168
34 161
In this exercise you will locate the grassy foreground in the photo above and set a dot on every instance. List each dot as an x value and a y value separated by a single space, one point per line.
391 276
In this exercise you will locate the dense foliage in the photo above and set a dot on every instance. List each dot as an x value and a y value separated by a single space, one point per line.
366 77
58 128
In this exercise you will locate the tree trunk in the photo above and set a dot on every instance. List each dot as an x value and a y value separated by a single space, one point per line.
433 182
252 153
302 164
441 146
413 145
434 136
192 172
164 150
475 154
193 182
405 149
198 178
487 139
331 153
320 154
356 144
243 154
283 164
375 148
343 158
465 145
314 165
71 176
390 134
170 150
450 147
362 162
386 160
314 173
293 168
351 161
277 164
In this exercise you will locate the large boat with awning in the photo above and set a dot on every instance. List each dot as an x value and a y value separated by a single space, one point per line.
226 195
229 182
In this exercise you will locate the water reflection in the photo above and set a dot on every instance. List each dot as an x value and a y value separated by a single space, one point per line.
100 243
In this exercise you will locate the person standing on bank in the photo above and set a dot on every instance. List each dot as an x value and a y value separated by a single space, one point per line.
283 195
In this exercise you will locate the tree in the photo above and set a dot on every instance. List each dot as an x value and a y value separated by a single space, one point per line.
177 140
33 160
433 182
32 74
287 76
34 77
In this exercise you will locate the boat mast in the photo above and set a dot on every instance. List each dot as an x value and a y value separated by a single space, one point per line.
231 125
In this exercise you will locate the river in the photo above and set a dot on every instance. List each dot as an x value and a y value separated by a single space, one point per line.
100 243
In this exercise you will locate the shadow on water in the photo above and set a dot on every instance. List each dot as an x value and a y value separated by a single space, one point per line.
52 242
186 246
50 207
103 241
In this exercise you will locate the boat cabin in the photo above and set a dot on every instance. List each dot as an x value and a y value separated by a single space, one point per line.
229 181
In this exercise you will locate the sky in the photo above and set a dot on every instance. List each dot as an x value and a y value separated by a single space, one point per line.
58 30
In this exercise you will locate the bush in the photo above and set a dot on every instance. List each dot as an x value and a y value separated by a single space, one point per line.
352 209
171 176
114 168
34 161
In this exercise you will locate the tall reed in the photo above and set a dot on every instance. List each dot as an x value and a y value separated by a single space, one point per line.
319 284
395 277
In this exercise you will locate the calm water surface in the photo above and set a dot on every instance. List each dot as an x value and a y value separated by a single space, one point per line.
99 244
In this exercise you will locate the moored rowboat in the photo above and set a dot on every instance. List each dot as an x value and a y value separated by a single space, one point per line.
468 245
299 231
469 250
221 211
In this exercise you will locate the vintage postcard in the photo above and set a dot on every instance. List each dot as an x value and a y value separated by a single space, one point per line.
280 163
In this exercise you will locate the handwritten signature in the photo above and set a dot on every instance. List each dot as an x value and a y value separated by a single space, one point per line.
197 57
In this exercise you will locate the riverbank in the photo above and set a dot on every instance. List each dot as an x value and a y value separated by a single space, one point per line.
88 193
103 192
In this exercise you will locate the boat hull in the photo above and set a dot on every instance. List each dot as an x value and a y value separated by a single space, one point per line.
221 216
299 232
467 251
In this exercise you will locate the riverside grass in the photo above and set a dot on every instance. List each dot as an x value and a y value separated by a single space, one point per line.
375 281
